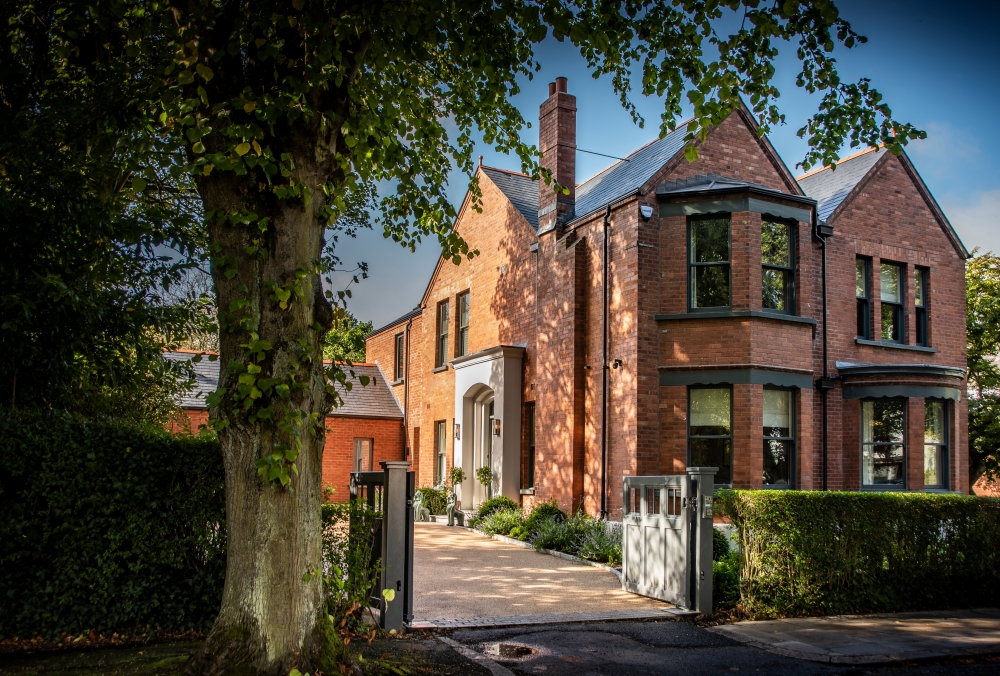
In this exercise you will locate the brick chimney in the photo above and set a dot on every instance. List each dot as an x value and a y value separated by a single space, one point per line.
557 142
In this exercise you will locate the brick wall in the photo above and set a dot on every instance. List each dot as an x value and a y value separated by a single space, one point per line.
338 451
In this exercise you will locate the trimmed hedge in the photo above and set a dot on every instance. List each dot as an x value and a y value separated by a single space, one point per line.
829 553
107 526
434 500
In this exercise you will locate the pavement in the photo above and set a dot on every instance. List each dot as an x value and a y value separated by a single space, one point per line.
460 576
867 639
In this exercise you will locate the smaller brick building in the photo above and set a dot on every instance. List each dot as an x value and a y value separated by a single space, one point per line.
367 429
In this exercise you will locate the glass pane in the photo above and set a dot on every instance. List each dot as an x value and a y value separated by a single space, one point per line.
711 286
931 477
882 464
710 240
652 501
774 291
934 425
918 287
713 453
463 310
890 282
710 411
777 413
860 279
862 318
882 420
890 322
775 244
776 465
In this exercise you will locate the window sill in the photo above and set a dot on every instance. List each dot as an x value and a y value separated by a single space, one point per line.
527 491
894 346
884 489
439 369
777 487
936 489
730 314
396 382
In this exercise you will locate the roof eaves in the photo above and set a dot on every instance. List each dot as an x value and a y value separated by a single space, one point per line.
409 315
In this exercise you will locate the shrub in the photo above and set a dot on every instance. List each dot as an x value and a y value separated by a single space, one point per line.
107 526
720 545
726 580
839 553
563 536
502 522
545 510
434 500
495 505
602 542
351 562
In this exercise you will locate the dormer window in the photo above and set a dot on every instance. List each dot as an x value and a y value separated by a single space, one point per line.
709 263
778 273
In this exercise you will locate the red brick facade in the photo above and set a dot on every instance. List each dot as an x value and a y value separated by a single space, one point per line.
543 290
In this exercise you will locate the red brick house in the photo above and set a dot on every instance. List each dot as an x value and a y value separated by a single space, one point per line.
802 333
364 431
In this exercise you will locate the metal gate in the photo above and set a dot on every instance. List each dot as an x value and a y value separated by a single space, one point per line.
667 531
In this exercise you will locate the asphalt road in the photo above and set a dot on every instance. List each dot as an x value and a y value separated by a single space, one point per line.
647 648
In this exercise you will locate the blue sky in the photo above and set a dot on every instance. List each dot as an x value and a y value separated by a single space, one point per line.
935 63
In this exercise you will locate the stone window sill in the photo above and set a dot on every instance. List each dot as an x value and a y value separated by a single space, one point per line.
396 382
894 346
439 369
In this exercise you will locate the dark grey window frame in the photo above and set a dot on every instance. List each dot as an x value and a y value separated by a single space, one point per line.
691 265
921 313
790 289
792 439
462 333
864 303
441 355
943 449
905 443
399 341
899 309
530 421
732 450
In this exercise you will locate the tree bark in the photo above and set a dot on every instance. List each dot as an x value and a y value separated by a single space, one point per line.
272 616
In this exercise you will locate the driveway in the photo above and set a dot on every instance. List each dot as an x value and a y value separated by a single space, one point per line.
461 574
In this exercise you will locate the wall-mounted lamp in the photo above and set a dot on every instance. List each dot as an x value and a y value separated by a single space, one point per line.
458 431
617 363
496 427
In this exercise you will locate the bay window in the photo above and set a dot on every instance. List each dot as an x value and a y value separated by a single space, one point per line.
779 437
710 430
883 447
935 444
778 267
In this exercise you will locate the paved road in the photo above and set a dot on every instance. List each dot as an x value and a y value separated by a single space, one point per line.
461 574
654 648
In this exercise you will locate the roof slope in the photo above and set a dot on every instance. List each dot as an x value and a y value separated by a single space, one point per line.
830 187
374 400
628 175
519 189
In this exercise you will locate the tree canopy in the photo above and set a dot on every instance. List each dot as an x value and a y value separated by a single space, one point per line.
982 286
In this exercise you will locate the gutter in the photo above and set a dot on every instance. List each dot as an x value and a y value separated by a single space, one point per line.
821 231
605 370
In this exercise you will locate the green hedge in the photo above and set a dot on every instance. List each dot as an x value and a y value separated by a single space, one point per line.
827 553
107 527
434 500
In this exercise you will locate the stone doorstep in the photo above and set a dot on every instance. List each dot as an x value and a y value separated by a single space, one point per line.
545 619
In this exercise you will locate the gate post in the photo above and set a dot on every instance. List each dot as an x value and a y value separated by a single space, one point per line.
397 543
703 479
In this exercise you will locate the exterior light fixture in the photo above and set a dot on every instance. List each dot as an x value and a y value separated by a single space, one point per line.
496 427
458 431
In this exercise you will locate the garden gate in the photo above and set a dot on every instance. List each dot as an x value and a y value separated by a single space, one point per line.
667 531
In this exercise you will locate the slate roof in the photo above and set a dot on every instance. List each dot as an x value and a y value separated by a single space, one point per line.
626 177
519 189
206 379
374 400
399 320
707 182
830 187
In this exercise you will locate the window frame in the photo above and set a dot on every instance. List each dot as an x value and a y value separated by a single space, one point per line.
441 349
864 303
921 311
691 265
790 284
710 436
462 332
357 454
792 439
899 308
901 486
440 451
399 341
530 436
943 449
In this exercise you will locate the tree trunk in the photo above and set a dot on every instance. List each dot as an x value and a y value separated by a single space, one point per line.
272 616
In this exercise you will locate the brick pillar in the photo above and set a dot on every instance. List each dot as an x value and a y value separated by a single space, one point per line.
915 444
557 143
745 272
748 436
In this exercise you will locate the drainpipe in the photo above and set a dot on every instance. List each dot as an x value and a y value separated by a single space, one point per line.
604 372
406 394
822 231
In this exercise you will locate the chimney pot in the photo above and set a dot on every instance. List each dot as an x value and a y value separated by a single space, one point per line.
561 84
552 88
